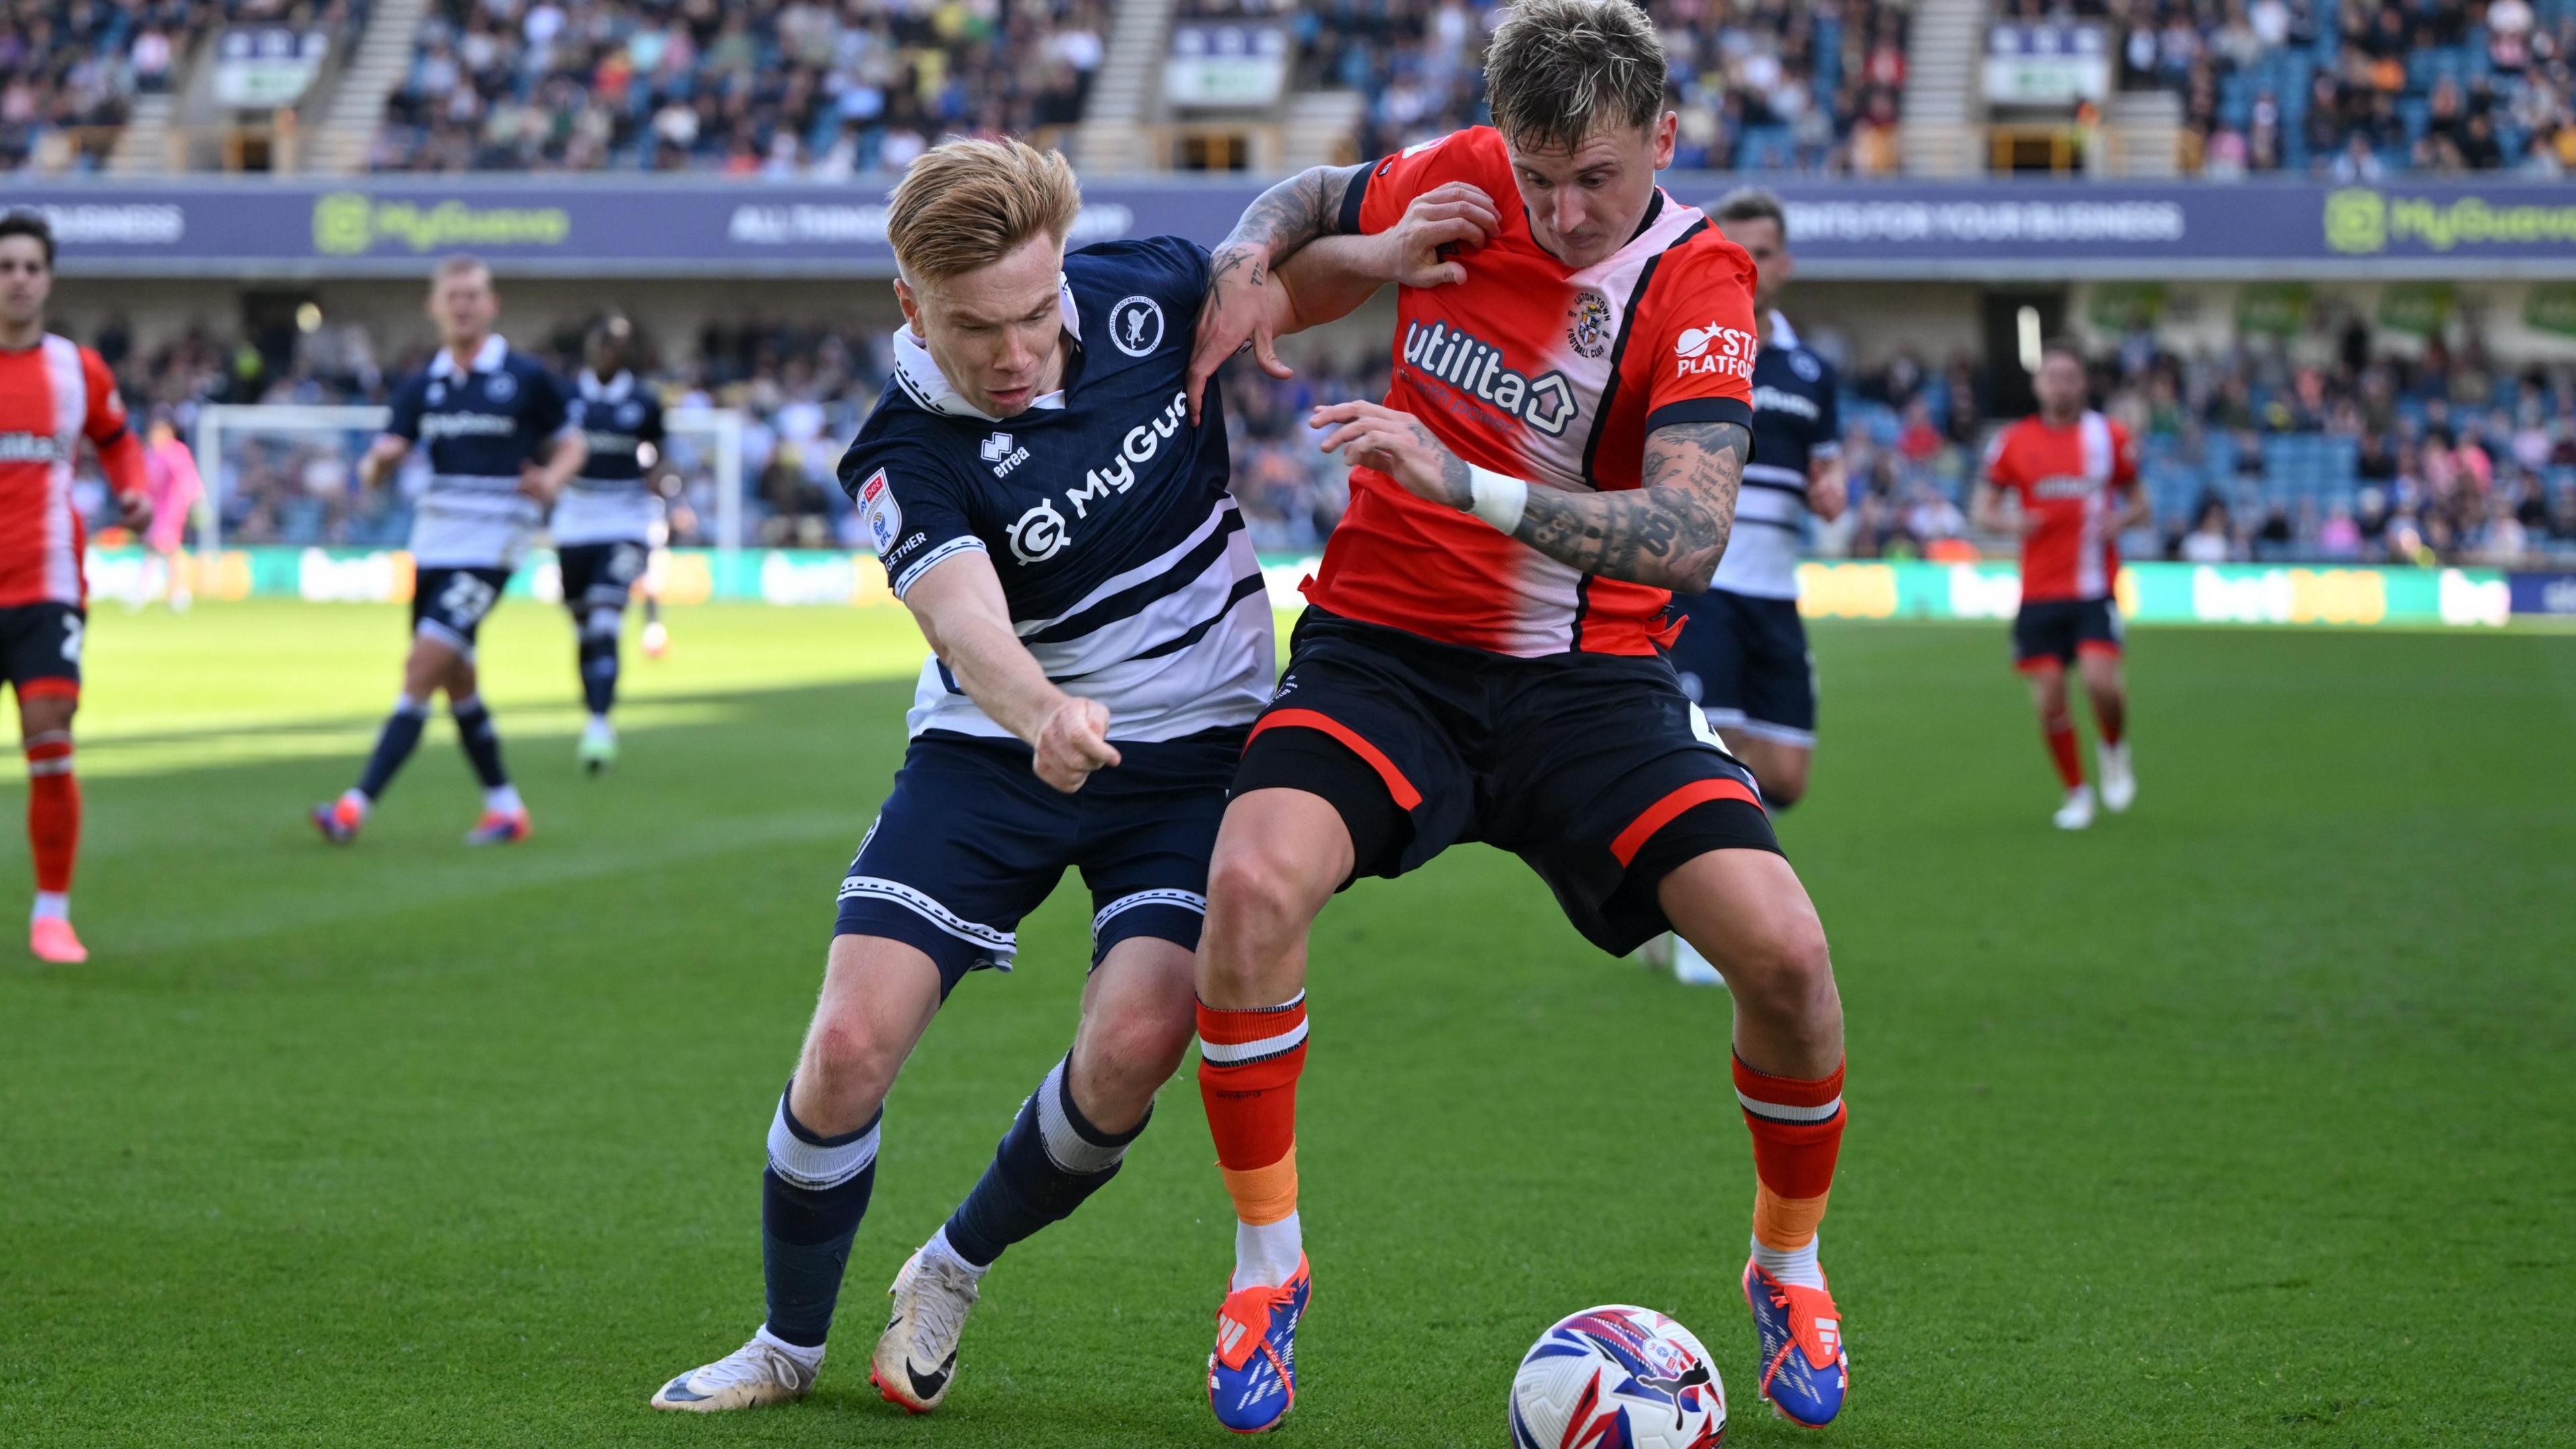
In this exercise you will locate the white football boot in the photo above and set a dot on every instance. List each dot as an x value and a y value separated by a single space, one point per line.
760 1372
916 1361
2119 782
2077 812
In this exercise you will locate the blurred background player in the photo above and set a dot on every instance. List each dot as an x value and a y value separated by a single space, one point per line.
1742 653
1561 448
1047 511
2073 476
53 393
603 524
501 444
171 472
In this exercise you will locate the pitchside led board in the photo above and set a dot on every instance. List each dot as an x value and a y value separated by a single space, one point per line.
2153 593
1894 231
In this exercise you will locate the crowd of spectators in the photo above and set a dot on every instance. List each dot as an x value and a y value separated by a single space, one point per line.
745 87
70 69
2355 92
2260 452
1760 85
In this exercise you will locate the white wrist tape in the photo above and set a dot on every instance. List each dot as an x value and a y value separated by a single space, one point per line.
1497 498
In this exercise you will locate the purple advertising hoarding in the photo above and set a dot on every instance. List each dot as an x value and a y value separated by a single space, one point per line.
1894 231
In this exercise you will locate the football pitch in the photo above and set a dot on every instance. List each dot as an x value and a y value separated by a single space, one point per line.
2240 1120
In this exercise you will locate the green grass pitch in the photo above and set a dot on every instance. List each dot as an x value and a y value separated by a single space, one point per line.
2240 1120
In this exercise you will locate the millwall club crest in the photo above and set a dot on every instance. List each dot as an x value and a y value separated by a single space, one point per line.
1136 325
1590 334
500 387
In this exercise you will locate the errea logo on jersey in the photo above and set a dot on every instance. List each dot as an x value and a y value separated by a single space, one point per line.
999 451
1715 348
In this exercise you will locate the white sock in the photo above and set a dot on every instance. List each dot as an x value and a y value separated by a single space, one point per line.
1267 1254
599 723
502 799
1793 1266
356 799
51 906
797 1351
938 1247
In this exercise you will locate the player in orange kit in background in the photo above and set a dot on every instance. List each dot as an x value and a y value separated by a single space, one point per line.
53 393
2074 474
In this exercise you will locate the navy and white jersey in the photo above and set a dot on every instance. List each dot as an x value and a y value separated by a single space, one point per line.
1103 508
479 425
607 502
1795 424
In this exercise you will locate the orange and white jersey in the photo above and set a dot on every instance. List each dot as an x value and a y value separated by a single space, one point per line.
52 395
2071 481
1547 373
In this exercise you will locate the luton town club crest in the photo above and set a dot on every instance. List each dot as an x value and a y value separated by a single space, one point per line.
1590 334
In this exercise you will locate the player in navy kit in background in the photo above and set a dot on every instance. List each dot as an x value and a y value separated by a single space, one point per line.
1742 655
500 447
1059 526
603 523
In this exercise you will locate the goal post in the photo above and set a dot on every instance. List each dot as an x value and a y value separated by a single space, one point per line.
292 468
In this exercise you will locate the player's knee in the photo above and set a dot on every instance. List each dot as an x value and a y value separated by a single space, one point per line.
1786 970
846 1063
1139 1051
1784 786
1255 897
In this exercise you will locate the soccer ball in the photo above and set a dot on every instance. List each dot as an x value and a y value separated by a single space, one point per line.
1617 1377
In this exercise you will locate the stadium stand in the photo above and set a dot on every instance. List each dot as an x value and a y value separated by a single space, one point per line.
70 69
2357 92
1761 86
772 88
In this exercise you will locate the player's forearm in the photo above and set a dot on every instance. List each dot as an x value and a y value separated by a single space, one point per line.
380 458
1669 533
997 672
571 450
1282 219
1330 277
121 459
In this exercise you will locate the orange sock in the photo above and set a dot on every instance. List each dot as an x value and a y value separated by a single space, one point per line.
2060 730
1248 1067
1797 1131
53 810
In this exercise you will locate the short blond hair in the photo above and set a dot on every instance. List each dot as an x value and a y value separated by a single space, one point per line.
457 264
966 204
1557 71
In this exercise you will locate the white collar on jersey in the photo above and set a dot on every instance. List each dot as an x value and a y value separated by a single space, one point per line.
921 377
1782 334
613 390
487 360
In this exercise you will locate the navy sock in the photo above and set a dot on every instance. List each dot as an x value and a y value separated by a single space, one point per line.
599 664
482 742
394 744
812 1196
1048 1162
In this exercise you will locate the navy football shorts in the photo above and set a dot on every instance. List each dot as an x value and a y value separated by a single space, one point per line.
449 604
2060 629
1589 767
972 840
600 575
1745 662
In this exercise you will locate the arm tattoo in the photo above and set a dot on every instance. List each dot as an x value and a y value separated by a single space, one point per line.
1280 220
1669 532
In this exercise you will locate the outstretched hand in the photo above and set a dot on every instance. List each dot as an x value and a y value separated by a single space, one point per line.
1372 435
